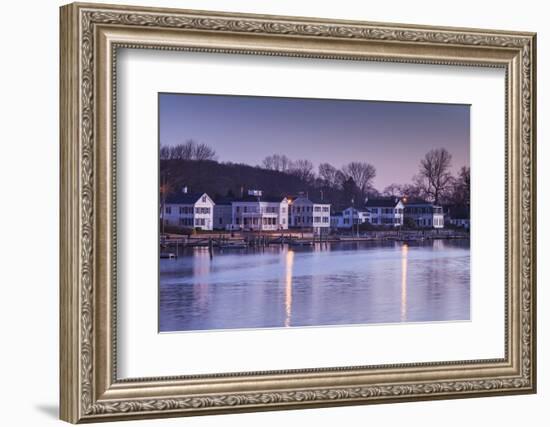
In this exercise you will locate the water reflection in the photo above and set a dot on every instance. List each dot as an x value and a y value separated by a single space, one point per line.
404 252
288 288
329 284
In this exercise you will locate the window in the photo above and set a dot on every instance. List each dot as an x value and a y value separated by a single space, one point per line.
283 210
221 221
317 209
168 210
317 219
326 209
326 219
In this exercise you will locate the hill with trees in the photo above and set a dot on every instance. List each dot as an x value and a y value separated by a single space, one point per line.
195 166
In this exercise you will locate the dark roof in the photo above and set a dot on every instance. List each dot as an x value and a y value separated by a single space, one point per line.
382 203
183 198
419 202
410 201
223 201
315 199
260 198
319 201
459 212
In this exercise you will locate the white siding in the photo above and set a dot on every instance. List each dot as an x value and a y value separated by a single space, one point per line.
194 215
305 213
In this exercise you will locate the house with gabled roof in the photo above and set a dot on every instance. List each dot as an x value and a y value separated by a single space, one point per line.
349 218
256 212
387 211
306 212
184 209
424 214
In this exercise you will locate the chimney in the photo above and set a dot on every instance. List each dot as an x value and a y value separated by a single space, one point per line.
184 190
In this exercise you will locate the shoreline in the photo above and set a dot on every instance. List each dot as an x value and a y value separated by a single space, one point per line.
250 240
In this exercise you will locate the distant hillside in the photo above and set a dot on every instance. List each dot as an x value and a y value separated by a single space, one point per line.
229 179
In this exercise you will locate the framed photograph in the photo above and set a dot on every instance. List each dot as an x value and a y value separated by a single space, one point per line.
265 212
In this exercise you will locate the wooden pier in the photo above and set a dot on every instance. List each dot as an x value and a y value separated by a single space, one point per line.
172 245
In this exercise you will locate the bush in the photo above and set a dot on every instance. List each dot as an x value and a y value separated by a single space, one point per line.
409 223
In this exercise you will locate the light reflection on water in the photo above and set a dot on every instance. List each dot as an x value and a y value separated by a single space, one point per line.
329 284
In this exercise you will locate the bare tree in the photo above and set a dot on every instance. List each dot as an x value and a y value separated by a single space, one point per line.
303 169
203 152
434 177
186 151
277 162
393 190
412 191
362 174
164 152
190 150
329 175
340 179
461 187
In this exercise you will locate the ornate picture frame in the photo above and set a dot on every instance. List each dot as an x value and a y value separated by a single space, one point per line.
90 37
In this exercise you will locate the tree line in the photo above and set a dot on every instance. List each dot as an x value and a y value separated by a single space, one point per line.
350 184
433 182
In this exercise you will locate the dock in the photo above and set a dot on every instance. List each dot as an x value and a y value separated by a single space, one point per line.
172 245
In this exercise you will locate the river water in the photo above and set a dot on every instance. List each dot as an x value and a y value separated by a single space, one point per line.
329 284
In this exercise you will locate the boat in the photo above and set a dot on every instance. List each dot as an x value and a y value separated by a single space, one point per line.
301 243
233 245
168 255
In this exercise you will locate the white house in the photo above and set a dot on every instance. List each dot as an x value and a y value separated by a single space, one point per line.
349 217
194 210
306 213
425 214
255 212
385 211
223 215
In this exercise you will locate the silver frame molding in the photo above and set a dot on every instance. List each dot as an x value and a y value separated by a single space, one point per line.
90 37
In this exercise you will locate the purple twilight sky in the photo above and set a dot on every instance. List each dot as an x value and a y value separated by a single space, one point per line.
393 136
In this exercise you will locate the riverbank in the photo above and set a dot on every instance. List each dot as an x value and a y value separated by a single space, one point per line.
241 239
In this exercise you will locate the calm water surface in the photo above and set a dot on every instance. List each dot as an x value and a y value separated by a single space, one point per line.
334 284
